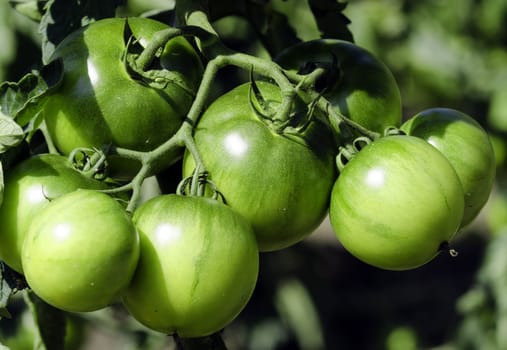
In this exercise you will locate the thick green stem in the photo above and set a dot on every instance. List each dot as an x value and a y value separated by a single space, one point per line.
336 119
49 141
195 13
307 83
158 41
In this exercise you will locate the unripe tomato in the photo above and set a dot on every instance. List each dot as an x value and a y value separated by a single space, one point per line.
80 251
357 83
467 147
198 265
99 103
28 188
279 182
396 202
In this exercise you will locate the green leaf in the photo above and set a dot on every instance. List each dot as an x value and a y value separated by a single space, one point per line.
263 108
14 155
330 19
5 293
32 9
10 283
11 134
156 77
51 323
299 17
62 17
22 101
272 26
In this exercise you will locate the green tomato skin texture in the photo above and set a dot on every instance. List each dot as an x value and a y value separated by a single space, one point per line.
99 103
29 188
280 184
467 147
81 251
396 202
365 90
198 265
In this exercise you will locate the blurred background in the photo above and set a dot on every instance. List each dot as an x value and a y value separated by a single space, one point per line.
443 53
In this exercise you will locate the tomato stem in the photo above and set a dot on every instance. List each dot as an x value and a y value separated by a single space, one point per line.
49 141
445 247
157 159
193 13
158 41
336 119
307 83
92 163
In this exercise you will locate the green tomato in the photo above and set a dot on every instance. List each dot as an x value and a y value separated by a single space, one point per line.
99 103
198 265
279 182
28 188
396 202
467 147
80 251
358 84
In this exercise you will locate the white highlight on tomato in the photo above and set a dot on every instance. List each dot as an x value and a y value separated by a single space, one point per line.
92 72
166 233
62 231
375 177
35 194
235 144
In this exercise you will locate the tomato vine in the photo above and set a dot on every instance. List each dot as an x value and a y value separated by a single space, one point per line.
319 144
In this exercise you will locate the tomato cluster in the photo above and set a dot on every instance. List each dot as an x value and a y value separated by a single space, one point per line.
184 263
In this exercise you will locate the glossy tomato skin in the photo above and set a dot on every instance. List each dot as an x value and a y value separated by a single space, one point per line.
279 183
467 147
28 188
198 265
98 103
396 202
80 251
363 88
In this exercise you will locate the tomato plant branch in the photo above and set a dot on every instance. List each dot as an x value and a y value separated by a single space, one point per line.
194 13
336 119
49 141
307 83
158 41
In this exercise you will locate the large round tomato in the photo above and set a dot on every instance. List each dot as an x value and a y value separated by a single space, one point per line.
80 251
198 265
99 103
467 147
279 182
396 202
357 83
28 188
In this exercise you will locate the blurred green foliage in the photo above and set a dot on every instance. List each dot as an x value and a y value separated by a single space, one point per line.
448 53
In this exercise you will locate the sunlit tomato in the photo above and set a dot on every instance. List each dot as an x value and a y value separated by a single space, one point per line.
396 203
28 188
80 251
467 147
279 181
198 265
99 103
